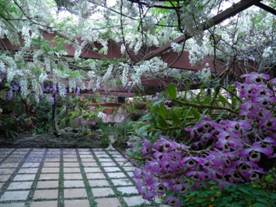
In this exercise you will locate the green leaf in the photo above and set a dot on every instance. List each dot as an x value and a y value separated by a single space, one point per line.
171 91
269 178
260 205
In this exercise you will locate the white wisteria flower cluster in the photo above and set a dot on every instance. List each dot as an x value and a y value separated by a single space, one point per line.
247 36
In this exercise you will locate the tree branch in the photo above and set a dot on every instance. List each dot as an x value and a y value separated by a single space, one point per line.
202 106
232 11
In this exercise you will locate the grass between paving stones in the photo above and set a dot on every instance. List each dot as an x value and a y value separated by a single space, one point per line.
61 181
7 183
117 193
130 178
90 196
99 160
9 153
33 188
65 140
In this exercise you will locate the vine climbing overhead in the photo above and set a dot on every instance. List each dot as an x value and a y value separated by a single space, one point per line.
85 45
184 89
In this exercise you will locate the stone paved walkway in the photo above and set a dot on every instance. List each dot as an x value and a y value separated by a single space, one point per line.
66 178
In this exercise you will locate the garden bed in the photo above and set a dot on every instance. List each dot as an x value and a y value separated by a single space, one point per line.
68 140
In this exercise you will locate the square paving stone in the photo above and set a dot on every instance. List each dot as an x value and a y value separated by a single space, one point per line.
27 164
71 164
84 152
105 160
24 177
92 169
116 175
45 194
69 155
36 160
117 156
130 173
113 151
50 170
47 184
99 183
96 151
28 170
135 200
12 205
4 178
53 154
51 164
70 159
14 195
44 204
129 168
52 159
128 190
112 169
73 183
89 164
95 176
39 154
126 164
121 159
20 185
48 176
13 160
78 203
101 155
88 156
71 170
7 171
106 202
69 150
121 182
75 193
104 164
88 160
54 150
101 192
73 176
6 165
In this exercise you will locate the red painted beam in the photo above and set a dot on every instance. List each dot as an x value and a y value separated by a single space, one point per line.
173 59
113 52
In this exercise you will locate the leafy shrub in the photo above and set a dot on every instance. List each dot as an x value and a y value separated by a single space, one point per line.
232 196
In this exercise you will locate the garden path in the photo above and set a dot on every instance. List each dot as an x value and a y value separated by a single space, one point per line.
33 177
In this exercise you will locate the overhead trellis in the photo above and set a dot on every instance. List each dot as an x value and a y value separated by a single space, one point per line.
129 55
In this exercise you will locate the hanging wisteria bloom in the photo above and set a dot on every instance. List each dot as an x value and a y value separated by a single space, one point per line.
227 152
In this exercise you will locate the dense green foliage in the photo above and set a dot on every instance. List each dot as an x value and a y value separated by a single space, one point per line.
259 194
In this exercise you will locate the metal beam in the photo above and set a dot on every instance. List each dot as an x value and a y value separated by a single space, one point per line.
266 8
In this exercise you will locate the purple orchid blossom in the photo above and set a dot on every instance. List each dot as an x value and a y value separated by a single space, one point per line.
227 152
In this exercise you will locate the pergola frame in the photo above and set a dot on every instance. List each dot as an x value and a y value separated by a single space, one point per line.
175 60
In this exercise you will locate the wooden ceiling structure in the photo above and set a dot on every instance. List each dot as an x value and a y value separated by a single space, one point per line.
173 59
